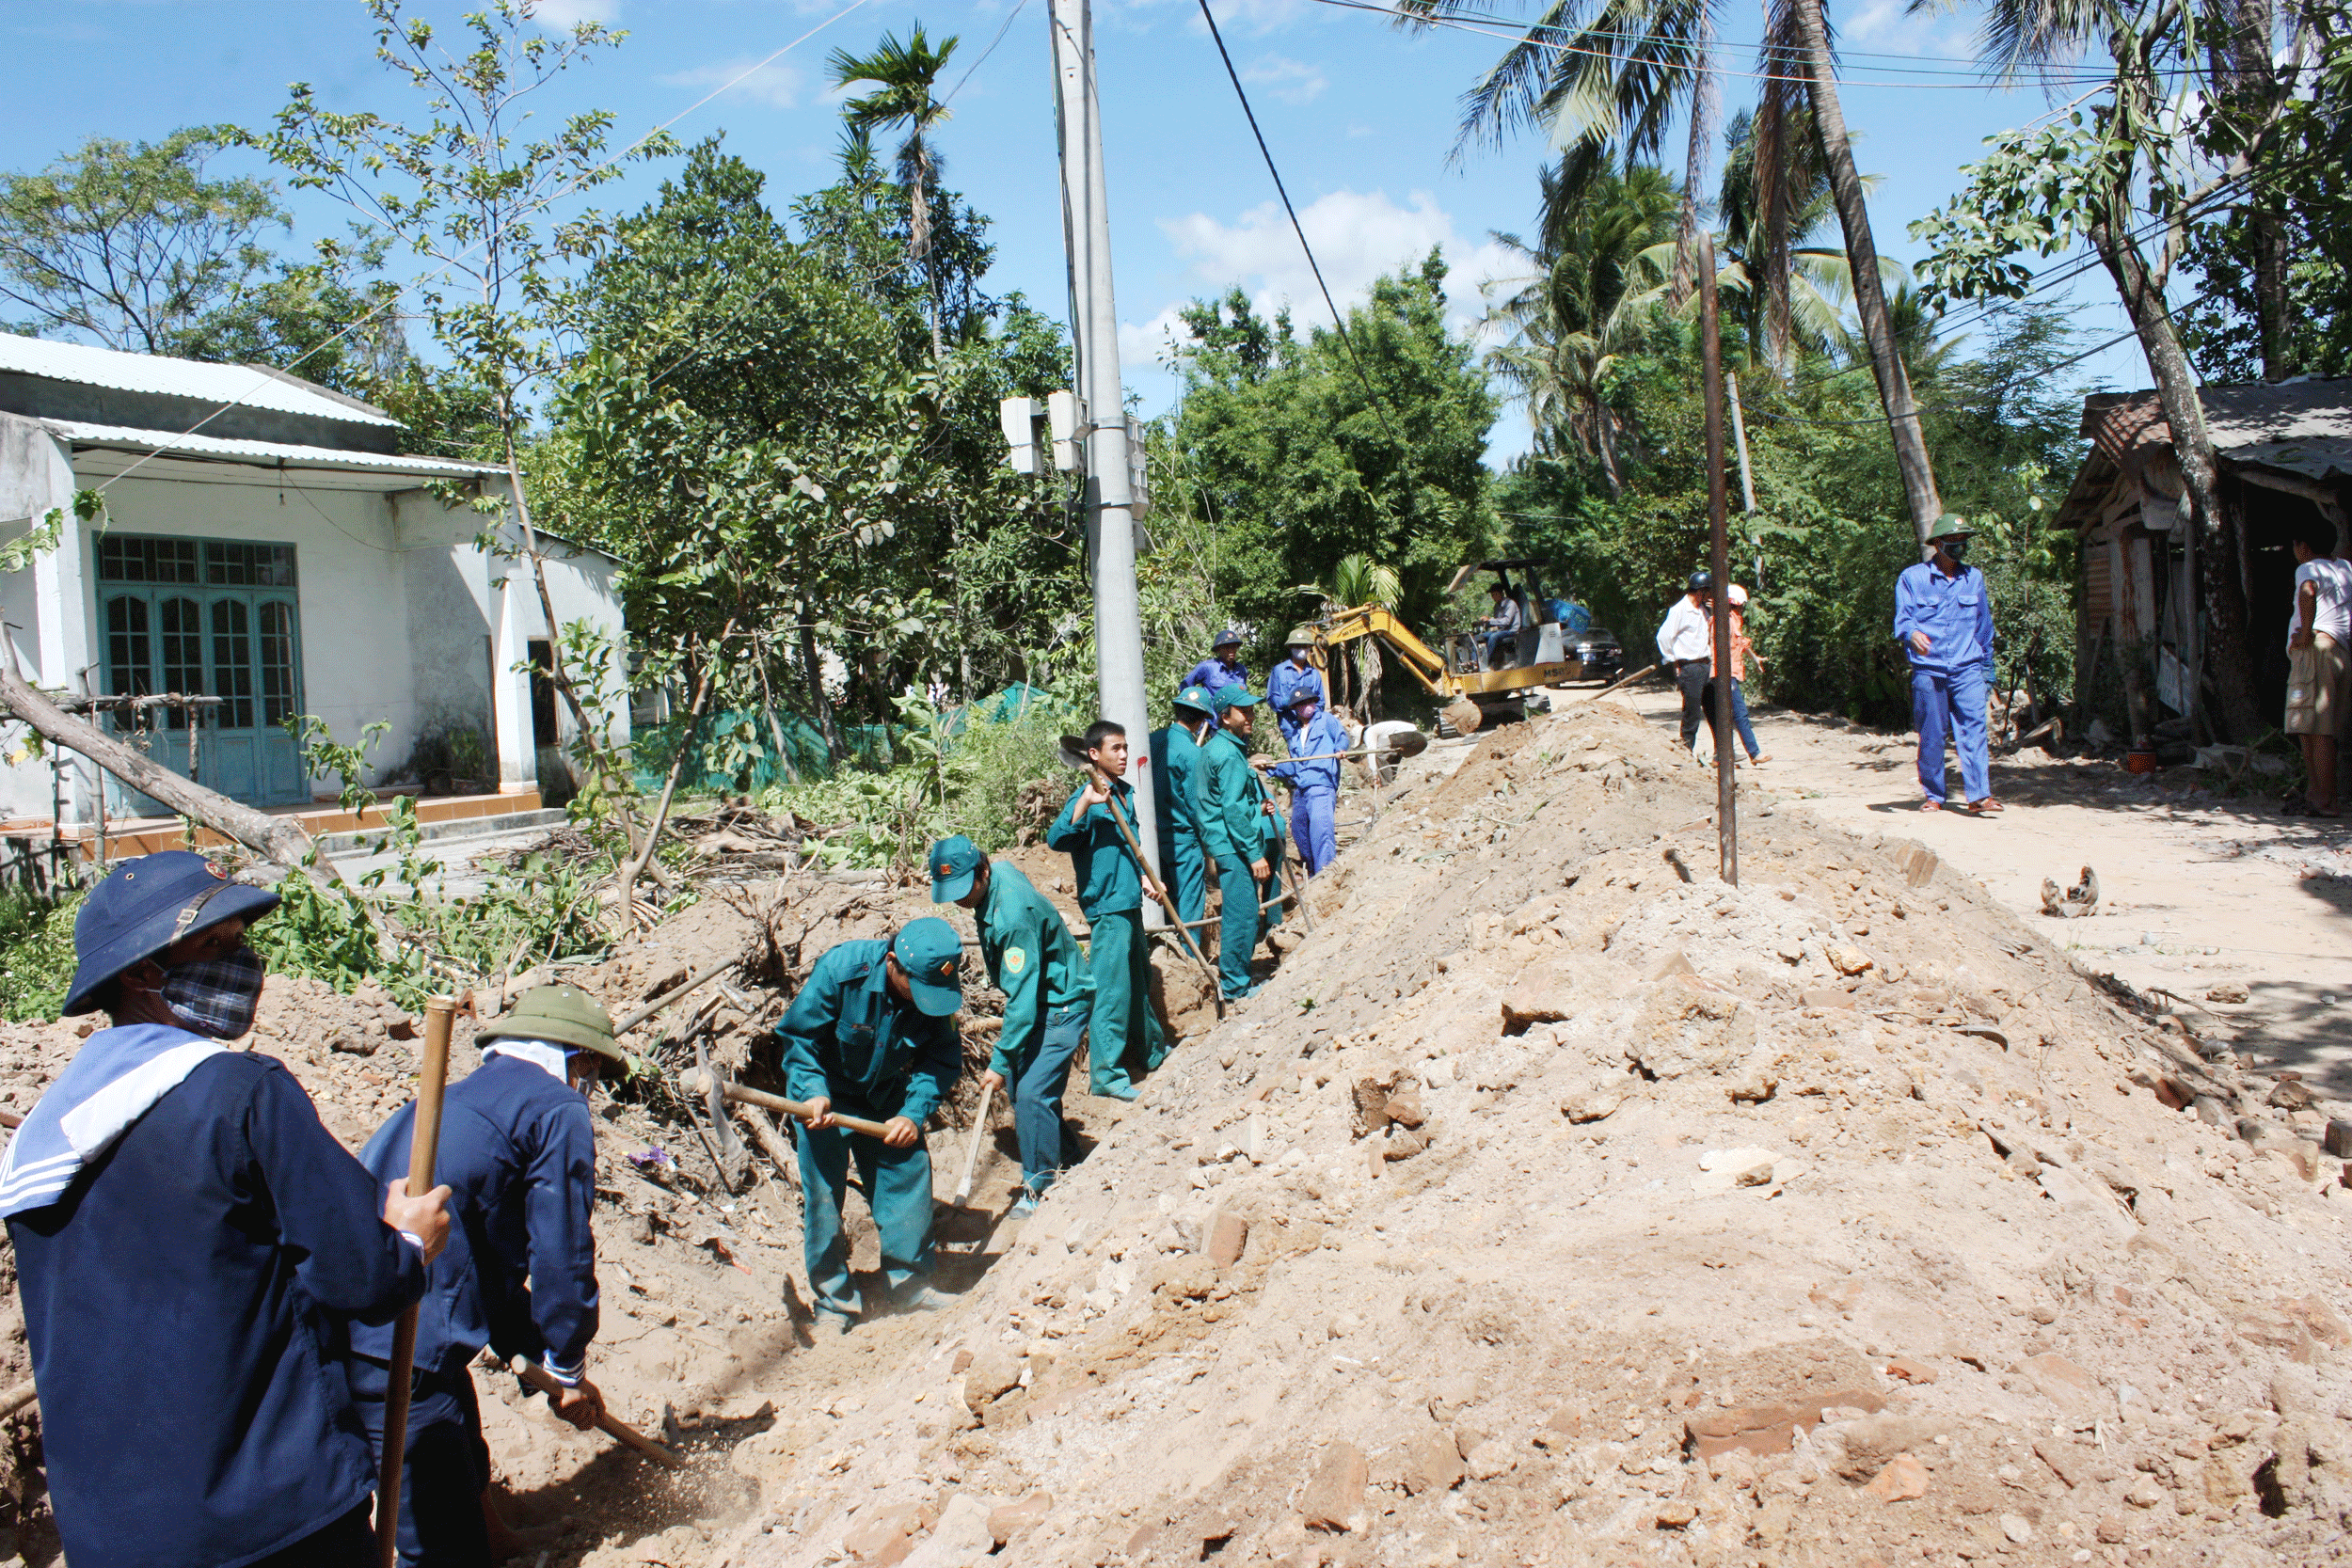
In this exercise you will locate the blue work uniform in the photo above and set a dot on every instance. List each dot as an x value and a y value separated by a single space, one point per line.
847 1038
1110 891
1949 682
1315 790
185 1301
1236 832
1032 957
1176 757
1214 676
1285 688
518 1154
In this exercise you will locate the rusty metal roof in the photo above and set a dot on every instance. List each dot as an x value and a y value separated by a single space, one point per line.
2300 427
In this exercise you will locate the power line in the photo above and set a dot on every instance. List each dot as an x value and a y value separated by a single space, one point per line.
266 379
1010 17
1337 320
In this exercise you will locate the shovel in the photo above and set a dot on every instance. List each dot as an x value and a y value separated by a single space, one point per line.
424 1139
1073 754
972 1158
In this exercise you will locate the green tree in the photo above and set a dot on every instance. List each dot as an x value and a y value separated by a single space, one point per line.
1299 464
905 78
130 243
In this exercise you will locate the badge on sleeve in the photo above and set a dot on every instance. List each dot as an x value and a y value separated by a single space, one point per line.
1015 960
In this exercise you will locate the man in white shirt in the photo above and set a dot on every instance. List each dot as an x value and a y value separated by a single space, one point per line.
2319 663
1685 643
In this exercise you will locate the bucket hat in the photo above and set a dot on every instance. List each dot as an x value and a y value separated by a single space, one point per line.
143 907
566 1015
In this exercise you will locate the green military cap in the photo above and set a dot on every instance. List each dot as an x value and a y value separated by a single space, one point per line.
564 1015
954 861
1236 695
930 953
1197 698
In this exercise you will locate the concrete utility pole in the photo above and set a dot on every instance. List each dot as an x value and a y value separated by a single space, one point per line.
1094 329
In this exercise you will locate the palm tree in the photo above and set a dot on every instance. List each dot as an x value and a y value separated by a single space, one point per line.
1785 295
1356 580
1613 73
1595 269
904 76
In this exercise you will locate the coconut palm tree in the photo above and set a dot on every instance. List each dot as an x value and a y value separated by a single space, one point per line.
905 77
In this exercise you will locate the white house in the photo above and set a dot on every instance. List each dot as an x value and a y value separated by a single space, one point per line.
263 541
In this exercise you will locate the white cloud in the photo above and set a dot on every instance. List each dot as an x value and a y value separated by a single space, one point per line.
568 14
1357 237
1152 342
775 84
1292 81
1233 16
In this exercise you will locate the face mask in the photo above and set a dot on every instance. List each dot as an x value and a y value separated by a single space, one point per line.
216 997
1306 712
1956 548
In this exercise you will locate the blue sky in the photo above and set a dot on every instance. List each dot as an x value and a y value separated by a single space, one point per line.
1360 115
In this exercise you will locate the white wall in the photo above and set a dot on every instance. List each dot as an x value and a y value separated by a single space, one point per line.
46 638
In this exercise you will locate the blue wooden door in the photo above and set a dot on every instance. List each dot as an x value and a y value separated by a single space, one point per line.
213 618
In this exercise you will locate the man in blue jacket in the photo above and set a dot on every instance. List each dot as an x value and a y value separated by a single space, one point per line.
1293 681
519 1152
190 1243
1944 621
1313 775
872 1033
1221 669
1111 884
1175 800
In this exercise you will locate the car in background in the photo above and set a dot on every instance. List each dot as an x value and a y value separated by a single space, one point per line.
1603 655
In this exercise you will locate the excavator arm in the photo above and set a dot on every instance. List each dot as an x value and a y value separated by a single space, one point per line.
1348 625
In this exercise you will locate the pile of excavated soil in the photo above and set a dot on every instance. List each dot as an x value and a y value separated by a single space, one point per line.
1558 1203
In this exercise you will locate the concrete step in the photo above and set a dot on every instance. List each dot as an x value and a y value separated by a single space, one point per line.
341 845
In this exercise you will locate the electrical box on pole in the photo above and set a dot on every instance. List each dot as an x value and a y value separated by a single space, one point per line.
1138 472
1065 417
1019 417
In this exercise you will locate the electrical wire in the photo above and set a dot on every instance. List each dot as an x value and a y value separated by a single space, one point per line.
267 380
1339 320
1010 17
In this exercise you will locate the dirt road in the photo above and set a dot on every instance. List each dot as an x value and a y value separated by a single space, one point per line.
2198 891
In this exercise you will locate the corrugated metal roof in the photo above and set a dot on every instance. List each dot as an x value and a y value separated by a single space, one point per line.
250 386
267 453
2303 427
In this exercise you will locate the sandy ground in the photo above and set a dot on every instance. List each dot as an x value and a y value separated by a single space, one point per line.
2198 891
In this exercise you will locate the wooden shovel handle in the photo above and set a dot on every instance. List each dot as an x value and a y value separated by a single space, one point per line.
693 1083
539 1378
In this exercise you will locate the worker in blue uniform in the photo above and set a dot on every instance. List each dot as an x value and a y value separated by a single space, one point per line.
519 1152
1944 623
1314 774
190 1244
1175 802
1035 962
1125 1039
1242 834
872 1033
1294 680
1221 669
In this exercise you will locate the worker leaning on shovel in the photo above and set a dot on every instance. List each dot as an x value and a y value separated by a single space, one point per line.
1242 834
872 1033
518 1152
190 1243
1034 961
1096 829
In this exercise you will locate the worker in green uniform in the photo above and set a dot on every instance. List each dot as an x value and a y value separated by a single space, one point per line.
1111 883
1242 834
1175 800
1034 961
872 1033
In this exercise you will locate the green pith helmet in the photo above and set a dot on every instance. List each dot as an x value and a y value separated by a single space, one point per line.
1197 698
1301 637
565 1015
1950 526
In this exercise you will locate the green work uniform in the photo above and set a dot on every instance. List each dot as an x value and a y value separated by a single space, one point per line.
1110 891
1235 828
1183 861
1034 961
848 1039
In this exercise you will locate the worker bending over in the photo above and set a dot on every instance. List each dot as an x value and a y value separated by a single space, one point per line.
1176 804
1244 835
1293 681
1094 830
519 1152
190 1243
1034 961
872 1033
1313 775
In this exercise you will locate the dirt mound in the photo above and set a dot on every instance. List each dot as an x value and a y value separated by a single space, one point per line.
1558 1203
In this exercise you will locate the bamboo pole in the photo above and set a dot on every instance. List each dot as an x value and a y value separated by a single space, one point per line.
1719 563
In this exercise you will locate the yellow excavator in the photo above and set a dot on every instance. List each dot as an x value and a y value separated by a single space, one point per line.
1474 695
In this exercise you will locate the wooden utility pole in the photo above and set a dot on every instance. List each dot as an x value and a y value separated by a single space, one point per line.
1719 563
